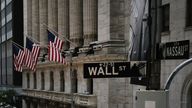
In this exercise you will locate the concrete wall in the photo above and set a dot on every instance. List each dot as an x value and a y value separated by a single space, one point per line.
178 31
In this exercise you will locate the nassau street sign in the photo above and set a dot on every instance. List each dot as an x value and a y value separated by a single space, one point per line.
112 69
175 50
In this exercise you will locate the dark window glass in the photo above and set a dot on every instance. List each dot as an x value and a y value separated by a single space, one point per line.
90 86
74 81
35 81
9 26
28 80
8 9
189 13
165 17
28 104
51 81
2 14
62 81
42 81
3 34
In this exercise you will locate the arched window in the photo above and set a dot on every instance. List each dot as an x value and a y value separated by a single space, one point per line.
51 81
42 81
62 81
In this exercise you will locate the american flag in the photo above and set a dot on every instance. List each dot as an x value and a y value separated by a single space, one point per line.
32 51
58 43
55 47
18 55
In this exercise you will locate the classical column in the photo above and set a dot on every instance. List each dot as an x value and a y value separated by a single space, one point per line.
35 19
24 103
76 18
89 21
52 15
43 21
29 17
111 26
63 21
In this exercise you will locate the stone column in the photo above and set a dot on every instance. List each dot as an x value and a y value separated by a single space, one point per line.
52 15
24 82
111 26
63 21
47 79
24 104
29 17
57 80
75 16
89 21
43 21
31 80
35 19
38 75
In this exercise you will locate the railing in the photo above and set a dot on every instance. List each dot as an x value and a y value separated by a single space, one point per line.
79 99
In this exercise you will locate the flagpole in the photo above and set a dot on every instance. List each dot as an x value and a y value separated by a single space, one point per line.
59 34
17 44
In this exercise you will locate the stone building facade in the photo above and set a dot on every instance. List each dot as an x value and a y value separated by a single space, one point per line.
105 25
178 28
102 23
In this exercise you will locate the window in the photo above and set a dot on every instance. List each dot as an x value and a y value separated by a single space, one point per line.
28 80
2 4
3 34
8 1
34 81
74 81
62 81
165 18
90 86
3 17
9 30
51 81
9 12
42 81
189 13
28 104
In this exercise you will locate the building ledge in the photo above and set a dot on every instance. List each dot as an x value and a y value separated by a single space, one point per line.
86 100
166 33
188 28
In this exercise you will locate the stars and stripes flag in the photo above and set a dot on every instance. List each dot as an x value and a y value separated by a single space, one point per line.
18 58
32 51
55 47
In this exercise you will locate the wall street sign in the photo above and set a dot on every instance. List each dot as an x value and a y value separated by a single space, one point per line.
107 70
114 69
175 50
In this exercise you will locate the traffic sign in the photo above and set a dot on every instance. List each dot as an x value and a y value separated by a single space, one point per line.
114 69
